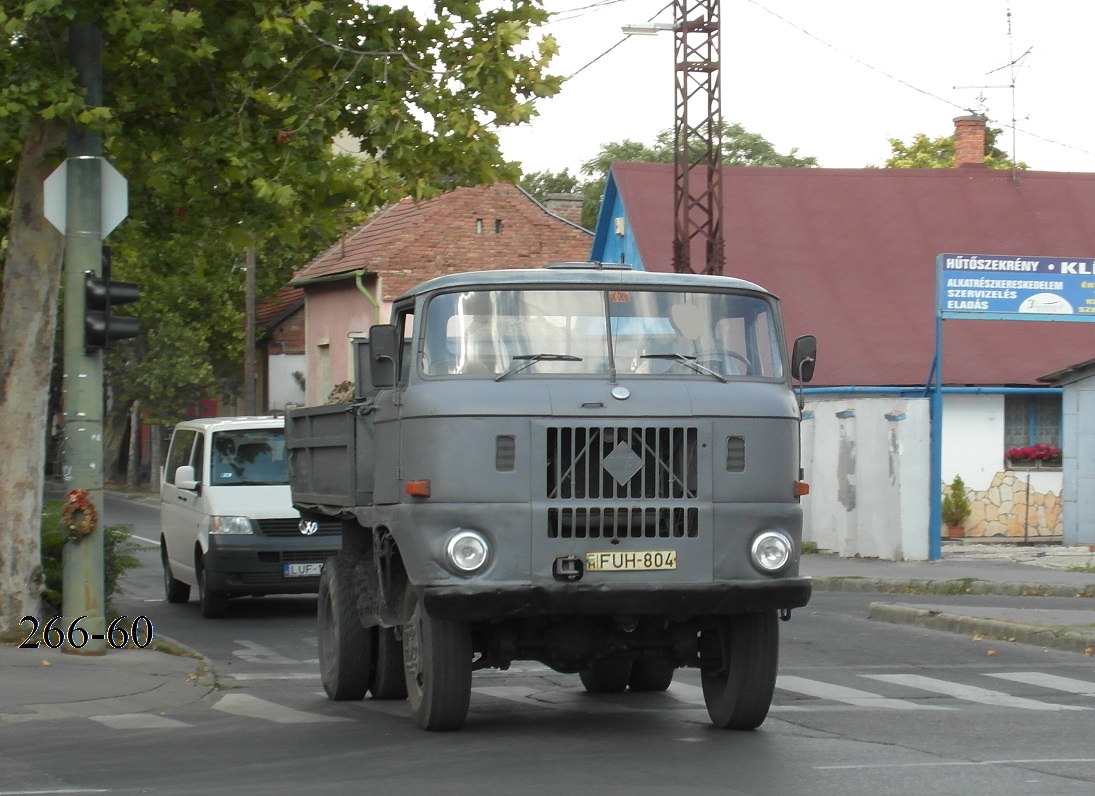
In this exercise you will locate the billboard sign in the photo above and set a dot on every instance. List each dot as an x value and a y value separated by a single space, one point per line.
1017 288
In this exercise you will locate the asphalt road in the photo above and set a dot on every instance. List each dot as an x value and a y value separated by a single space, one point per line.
862 707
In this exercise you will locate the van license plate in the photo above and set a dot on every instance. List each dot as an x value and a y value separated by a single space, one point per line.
301 570
628 561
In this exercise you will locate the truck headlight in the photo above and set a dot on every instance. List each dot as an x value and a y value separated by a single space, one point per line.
771 552
227 525
467 550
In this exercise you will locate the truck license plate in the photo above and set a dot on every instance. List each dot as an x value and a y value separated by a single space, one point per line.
301 570
628 561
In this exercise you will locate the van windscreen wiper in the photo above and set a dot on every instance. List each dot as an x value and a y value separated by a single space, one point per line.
522 361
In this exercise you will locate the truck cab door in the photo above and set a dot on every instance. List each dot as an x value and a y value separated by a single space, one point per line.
388 483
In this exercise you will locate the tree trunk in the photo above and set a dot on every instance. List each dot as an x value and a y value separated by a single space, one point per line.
133 462
28 324
155 453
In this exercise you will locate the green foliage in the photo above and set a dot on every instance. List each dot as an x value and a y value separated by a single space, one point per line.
938 153
118 558
221 117
956 503
739 148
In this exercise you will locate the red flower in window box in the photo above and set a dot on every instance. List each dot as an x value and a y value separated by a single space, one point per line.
1038 452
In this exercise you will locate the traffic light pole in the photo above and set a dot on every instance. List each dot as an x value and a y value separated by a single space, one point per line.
82 567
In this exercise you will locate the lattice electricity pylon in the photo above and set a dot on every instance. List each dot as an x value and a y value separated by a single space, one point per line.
697 172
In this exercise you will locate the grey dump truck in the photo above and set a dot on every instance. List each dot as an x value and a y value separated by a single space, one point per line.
584 465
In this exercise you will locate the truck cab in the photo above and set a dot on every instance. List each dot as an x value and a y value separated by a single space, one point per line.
583 465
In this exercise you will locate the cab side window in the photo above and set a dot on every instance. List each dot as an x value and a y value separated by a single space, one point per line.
180 452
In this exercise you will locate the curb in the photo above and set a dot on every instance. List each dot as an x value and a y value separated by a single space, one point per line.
1066 640
849 583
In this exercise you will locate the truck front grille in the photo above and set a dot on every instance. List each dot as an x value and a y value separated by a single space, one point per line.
623 522
621 463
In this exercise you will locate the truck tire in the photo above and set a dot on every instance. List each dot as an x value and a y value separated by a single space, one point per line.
606 676
437 658
345 647
213 604
739 694
651 674
388 680
175 591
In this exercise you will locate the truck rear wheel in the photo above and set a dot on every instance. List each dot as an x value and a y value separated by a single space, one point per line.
345 647
388 679
606 676
437 659
651 674
739 693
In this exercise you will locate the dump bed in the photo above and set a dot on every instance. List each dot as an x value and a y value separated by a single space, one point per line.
330 457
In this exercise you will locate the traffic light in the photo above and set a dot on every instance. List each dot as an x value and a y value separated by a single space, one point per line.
100 296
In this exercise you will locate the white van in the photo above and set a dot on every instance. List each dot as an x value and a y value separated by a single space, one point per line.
227 520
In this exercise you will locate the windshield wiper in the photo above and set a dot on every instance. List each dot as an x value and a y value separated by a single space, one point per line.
522 361
687 360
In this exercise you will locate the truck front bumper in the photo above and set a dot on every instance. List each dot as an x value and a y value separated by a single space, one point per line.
472 602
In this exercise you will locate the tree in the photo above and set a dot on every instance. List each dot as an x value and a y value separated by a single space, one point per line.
938 153
221 116
739 148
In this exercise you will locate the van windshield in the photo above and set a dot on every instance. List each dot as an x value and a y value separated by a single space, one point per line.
246 457
517 333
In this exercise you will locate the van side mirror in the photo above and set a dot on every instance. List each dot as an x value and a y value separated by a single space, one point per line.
184 478
383 349
803 358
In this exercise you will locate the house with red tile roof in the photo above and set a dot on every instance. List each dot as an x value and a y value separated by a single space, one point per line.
351 285
852 254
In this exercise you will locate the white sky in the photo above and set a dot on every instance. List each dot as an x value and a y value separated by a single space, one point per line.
835 78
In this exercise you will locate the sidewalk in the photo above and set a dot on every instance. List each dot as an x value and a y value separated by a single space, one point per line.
123 685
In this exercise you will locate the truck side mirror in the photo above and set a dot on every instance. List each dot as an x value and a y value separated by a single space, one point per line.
803 358
383 348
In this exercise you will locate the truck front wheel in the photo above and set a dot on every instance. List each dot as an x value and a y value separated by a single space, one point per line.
739 692
437 661
345 647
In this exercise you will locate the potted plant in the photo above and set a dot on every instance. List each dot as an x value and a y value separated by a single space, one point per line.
956 508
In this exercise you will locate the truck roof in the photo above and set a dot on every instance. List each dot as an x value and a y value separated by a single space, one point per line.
583 274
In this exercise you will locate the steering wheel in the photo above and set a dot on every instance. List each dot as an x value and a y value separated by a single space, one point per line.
717 358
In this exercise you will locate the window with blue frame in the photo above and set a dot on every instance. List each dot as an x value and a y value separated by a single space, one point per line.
1032 431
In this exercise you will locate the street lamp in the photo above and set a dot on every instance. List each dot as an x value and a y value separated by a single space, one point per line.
646 28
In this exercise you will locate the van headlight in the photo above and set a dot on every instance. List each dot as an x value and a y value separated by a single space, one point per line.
466 551
771 552
226 525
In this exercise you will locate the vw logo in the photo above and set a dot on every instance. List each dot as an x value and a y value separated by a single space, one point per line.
308 527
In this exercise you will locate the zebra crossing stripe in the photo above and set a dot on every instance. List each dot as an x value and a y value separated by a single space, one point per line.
849 696
968 693
255 708
1053 681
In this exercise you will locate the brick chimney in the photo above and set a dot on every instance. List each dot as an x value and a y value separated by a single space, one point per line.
565 205
969 141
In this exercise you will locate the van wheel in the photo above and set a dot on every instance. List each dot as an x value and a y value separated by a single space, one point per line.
388 680
174 590
606 676
213 604
437 658
651 674
739 692
345 647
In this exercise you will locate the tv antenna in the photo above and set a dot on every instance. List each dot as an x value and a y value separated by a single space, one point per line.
1013 66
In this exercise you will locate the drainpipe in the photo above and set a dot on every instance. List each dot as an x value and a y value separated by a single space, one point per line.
358 275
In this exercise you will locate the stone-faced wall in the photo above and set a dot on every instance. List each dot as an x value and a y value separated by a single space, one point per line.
1004 510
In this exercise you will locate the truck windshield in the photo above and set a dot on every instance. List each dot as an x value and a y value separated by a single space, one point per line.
517 333
246 457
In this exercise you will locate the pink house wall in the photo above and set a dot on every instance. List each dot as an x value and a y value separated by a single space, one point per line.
334 315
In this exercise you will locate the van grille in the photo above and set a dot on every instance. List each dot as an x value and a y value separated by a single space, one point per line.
623 522
621 462
290 526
